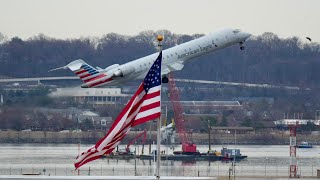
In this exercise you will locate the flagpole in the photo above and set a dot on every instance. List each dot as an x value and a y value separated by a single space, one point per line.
159 38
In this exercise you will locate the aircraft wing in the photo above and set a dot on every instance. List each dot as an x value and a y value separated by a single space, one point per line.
176 66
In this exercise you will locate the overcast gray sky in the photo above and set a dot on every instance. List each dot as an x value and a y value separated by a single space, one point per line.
76 18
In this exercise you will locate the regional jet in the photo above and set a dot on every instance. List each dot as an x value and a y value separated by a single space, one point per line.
173 59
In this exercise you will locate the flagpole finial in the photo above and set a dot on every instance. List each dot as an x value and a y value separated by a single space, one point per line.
159 38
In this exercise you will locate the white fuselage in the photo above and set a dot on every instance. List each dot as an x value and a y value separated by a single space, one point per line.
175 57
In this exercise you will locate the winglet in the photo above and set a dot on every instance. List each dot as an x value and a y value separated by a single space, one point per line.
75 65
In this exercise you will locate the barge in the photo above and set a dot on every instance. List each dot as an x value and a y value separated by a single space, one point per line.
224 155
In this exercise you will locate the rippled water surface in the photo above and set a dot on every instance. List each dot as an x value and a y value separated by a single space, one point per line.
57 159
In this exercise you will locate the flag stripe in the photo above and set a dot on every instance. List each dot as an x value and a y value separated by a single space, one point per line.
145 119
154 89
112 144
152 100
94 153
123 123
112 133
147 112
149 106
120 135
117 138
143 100
126 108
97 156
136 109
152 95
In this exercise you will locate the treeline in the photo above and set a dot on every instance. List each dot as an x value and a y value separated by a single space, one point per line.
19 118
266 59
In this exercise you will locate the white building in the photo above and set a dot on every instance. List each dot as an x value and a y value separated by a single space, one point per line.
95 96
287 122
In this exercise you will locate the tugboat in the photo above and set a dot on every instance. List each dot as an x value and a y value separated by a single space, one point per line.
305 144
231 154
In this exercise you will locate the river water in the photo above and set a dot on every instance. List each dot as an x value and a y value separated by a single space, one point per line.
57 159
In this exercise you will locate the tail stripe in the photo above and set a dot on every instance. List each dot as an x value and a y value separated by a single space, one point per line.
92 71
84 76
88 74
85 71
100 82
86 67
80 72
94 78
90 77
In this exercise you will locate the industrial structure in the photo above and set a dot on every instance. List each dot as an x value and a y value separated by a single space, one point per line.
203 107
293 151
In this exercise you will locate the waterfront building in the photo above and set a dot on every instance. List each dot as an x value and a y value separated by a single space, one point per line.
94 96
286 122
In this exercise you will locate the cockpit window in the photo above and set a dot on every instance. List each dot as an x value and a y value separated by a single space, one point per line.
236 31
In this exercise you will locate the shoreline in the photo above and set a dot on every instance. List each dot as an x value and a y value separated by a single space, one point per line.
48 137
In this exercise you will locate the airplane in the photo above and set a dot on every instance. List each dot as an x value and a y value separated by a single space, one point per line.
173 59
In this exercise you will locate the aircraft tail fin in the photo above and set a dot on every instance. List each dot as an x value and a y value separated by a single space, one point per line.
84 71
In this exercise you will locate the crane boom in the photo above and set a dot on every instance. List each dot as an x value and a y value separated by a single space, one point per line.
187 146
143 133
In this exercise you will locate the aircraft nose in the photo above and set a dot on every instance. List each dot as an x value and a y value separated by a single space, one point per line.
246 35
84 86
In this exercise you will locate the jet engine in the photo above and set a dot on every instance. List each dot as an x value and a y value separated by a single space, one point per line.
111 67
123 71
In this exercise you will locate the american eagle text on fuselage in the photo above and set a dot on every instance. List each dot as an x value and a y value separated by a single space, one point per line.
200 49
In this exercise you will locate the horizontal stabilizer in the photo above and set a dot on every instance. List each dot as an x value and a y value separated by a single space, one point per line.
74 65
63 67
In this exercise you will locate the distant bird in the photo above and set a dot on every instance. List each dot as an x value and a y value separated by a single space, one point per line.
309 39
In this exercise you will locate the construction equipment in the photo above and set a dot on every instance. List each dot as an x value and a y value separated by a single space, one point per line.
144 134
188 147
168 133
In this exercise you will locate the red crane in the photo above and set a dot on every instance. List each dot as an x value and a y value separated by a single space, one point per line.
144 134
187 146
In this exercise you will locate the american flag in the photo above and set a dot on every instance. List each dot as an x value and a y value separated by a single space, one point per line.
143 106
